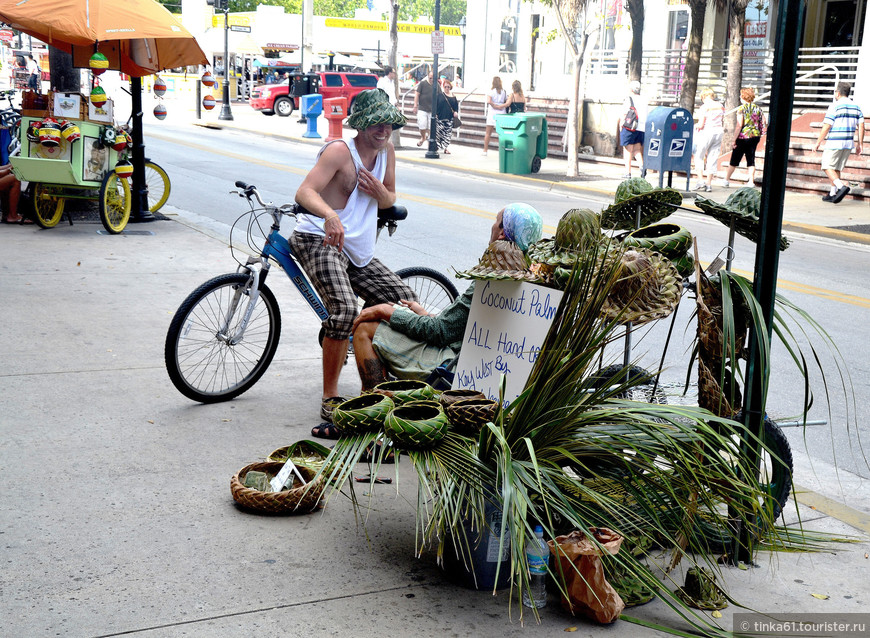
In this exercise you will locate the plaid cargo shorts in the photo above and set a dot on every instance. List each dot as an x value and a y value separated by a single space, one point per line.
339 282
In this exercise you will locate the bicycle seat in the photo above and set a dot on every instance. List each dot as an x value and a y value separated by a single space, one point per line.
392 214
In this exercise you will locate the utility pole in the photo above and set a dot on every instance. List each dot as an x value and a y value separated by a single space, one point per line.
432 152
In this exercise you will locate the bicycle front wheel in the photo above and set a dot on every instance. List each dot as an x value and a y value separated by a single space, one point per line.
157 182
434 290
115 202
205 358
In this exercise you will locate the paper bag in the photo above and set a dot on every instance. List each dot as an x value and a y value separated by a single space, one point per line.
588 591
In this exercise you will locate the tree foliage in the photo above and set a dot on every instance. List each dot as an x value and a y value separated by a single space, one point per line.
451 10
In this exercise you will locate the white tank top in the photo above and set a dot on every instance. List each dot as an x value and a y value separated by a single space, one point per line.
359 216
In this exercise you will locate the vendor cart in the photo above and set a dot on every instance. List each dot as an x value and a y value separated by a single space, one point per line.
80 169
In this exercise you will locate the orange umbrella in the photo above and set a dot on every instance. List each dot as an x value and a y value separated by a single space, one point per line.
139 37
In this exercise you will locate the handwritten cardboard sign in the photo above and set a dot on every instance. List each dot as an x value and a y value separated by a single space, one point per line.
507 324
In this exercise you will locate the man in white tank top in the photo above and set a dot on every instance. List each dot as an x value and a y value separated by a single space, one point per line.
335 240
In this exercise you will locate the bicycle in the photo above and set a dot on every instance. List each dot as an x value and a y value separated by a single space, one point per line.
225 333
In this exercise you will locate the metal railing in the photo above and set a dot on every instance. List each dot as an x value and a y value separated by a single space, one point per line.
662 72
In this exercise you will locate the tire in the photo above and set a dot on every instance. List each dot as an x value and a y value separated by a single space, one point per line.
536 164
159 187
640 392
775 480
283 106
206 368
47 205
115 201
434 289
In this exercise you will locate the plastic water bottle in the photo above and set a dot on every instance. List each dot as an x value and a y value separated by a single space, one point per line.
537 554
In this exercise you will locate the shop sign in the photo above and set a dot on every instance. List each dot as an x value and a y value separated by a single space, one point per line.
6 35
402 27
507 325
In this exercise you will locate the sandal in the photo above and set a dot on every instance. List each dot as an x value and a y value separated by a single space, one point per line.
373 451
326 431
328 405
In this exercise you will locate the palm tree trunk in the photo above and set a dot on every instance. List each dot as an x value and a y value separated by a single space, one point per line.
736 23
689 89
635 55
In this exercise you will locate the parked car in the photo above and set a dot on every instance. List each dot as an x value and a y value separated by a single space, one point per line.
275 98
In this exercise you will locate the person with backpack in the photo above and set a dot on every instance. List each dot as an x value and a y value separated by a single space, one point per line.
631 126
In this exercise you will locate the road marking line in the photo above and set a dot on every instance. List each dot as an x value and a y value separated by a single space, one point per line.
825 505
814 291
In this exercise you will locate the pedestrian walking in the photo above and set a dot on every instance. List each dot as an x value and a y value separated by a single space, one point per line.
496 101
841 121
423 107
708 133
388 83
446 107
631 126
748 136
516 100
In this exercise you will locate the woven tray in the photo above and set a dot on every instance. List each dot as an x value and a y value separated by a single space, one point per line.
300 500
452 396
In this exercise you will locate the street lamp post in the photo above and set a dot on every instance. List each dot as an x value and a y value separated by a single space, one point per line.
432 152
226 112
462 33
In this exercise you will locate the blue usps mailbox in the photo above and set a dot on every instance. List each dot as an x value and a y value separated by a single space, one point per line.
668 142
311 106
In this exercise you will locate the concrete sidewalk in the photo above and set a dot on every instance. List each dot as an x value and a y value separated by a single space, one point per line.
847 221
117 517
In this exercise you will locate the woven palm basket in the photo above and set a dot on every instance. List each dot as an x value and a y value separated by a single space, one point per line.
303 453
649 288
502 259
452 396
299 500
416 427
470 415
362 414
405 390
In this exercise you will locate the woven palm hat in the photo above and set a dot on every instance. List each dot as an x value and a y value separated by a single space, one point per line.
743 206
654 205
373 107
502 260
649 288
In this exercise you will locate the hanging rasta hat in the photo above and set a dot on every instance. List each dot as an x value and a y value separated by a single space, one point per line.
743 206
648 288
655 204
502 260
373 107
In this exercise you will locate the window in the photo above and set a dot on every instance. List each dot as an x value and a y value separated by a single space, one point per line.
362 80
332 79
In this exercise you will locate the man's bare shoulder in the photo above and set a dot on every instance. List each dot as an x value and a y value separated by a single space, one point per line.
336 152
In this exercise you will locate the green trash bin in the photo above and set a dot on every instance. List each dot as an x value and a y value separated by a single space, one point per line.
522 142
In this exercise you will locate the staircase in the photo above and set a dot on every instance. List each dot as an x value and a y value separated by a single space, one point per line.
472 111
804 164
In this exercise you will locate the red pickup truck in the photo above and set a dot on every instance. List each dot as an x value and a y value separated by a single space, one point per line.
275 98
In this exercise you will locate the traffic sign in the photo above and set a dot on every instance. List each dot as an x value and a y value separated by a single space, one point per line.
239 27
437 42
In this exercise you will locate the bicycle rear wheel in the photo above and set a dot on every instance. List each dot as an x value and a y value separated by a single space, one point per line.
201 361
157 182
47 204
434 290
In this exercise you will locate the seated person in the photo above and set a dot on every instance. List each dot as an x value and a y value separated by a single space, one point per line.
404 340
10 188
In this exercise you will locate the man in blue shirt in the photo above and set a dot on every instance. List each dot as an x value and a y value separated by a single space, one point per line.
838 132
